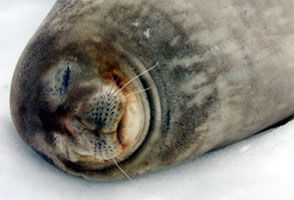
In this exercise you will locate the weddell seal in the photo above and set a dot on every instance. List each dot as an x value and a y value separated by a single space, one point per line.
113 88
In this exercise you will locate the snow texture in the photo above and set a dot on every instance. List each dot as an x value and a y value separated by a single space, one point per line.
260 167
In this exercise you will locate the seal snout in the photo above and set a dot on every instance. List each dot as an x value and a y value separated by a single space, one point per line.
98 117
103 112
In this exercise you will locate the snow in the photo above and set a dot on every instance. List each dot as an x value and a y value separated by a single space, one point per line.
260 167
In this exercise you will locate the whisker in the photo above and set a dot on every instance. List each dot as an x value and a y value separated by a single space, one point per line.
112 93
124 173
139 91
101 87
130 81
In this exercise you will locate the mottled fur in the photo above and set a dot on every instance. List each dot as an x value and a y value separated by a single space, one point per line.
225 72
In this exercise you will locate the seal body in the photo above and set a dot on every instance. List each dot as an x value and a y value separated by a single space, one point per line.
148 84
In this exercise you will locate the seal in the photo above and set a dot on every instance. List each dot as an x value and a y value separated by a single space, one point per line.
108 89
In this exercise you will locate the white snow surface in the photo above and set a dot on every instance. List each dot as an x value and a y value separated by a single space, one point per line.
260 167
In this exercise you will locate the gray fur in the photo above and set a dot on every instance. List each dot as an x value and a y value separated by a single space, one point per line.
225 71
